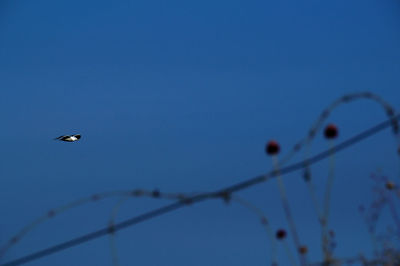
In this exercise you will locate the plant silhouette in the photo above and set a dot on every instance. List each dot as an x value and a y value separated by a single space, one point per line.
386 195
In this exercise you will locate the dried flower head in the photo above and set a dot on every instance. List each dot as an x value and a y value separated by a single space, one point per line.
280 234
272 148
390 185
331 131
303 249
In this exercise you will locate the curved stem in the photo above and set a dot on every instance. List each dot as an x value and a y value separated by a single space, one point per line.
286 208
264 222
389 110
79 202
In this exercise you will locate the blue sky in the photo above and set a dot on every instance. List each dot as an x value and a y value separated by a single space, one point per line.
182 96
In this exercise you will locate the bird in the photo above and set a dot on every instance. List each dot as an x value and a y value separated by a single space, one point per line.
69 138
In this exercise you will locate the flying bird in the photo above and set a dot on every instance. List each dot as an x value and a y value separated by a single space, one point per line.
69 138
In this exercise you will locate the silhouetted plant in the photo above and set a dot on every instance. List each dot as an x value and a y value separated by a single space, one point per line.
386 193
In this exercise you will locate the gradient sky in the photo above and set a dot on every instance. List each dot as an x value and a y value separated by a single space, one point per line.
182 96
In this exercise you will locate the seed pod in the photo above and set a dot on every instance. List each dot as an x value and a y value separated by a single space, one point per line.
303 249
390 185
272 148
331 131
280 234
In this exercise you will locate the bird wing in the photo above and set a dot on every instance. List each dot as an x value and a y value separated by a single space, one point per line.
61 137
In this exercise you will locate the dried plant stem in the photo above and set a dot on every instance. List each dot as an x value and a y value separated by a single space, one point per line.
327 199
393 213
264 221
310 185
113 245
286 208
289 253
52 213
348 98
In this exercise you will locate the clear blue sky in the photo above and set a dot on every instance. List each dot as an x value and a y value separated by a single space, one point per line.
182 96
